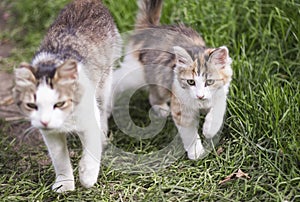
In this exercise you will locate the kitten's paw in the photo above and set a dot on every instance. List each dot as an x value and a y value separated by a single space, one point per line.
88 173
212 126
208 135
196 150
208 132
161 110
63 186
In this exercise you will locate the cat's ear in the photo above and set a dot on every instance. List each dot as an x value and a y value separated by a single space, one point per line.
24 75
67 73
183 59
219 57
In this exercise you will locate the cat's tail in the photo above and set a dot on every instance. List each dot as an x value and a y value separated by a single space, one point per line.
148 13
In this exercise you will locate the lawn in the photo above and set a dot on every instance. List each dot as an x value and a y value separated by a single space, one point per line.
261 133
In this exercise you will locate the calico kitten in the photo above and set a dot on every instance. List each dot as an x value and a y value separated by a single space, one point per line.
67 86
186 73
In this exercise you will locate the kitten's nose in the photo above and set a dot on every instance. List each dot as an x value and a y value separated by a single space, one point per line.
200 97
44 123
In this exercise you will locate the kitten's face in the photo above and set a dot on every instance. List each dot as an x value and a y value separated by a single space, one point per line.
48 102
205 74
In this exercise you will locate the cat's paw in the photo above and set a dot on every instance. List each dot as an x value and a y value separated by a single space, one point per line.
63 185
88 173
196 150
162 111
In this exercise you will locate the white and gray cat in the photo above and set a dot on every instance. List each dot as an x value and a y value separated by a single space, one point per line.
186 73
67 87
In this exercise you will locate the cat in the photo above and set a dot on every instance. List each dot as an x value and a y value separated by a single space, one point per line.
67 86
192 77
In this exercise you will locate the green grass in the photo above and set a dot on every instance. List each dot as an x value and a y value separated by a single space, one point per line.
261 135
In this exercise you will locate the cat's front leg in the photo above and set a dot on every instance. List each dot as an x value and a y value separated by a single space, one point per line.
104 99
214 118
92 142
89 164
57 147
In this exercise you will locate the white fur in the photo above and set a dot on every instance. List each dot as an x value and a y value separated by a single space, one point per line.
199 90
131 75
44 56
215 116
85 120
191 140
46 98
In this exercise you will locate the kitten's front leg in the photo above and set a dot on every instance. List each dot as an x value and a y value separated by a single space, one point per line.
187 127
57 147
214 118
191 141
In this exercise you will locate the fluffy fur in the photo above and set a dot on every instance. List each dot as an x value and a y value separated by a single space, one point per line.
186 73
67 86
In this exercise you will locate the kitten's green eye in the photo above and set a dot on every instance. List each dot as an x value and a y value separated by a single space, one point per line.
209 82
191 82
32 106
59 104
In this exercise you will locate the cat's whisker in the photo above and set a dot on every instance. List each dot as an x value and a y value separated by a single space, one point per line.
28 132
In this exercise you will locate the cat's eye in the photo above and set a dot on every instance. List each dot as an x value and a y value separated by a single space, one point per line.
32 106
209 82
59 104
191 82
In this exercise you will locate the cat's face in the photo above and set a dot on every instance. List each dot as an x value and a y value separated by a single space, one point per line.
204 74
47 101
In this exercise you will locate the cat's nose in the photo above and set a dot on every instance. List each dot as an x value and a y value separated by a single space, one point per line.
44 123
200 97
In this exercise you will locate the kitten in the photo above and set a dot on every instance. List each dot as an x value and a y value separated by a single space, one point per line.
186 73
67 86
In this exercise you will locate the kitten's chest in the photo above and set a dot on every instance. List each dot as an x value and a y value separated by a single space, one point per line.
204 105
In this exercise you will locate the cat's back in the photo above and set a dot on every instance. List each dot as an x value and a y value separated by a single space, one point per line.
80 28
88 17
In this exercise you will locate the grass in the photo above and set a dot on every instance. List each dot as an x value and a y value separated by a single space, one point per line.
261 135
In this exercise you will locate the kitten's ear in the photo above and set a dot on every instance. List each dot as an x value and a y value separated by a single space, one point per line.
66 73
183 59
219 56
24 76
